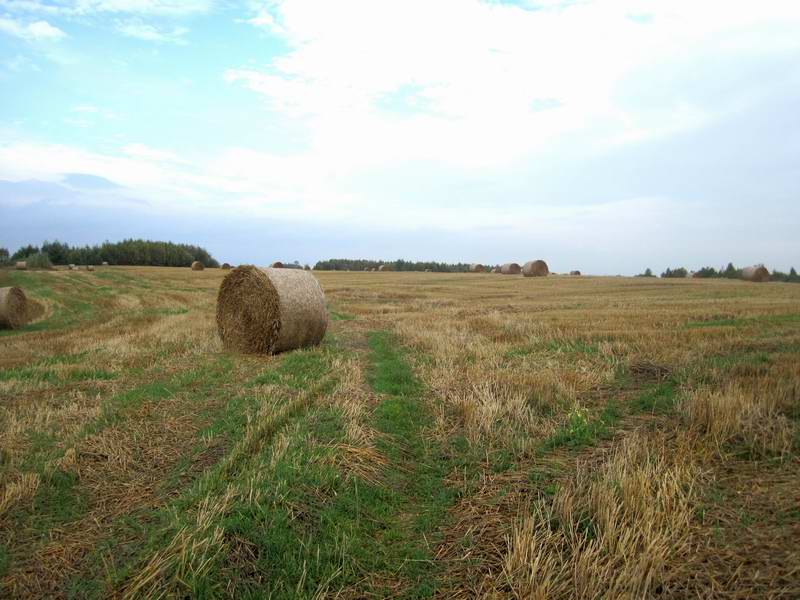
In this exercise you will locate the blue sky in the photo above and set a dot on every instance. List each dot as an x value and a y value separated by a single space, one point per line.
602 135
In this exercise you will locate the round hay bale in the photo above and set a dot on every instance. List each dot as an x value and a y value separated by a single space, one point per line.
756 273
21 265
428 271
575 273
197 266
535 268
306 268
270 310
476 268
225 266
277 265
104 263
90 267
13 307
510 269
71 267
385 268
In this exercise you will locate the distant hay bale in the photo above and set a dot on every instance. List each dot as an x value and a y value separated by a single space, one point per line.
270 310
71 267
13 308
373 269
197 266
104 263
427 270
510 269
366 268
535 268
476 268
306 268
225 266
90 267
21 265
756 273
277 265
385 268
496 270
575 273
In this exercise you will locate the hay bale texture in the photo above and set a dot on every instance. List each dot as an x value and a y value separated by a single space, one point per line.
21 265
384 268
476 268
277 265
510 269
197 266
90 267
270 310
535 268
756 273
13 307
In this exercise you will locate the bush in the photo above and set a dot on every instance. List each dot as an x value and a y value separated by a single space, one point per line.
647 273
675 273
40 260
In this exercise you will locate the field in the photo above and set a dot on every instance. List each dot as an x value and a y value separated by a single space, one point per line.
455 436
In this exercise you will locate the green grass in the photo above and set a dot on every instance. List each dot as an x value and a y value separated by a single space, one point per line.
582 429
745 321
660 398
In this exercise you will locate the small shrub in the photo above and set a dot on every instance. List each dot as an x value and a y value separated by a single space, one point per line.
40 260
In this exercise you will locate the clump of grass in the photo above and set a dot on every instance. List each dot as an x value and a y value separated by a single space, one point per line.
610 532
750 418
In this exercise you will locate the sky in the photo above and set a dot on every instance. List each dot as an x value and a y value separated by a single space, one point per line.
601 135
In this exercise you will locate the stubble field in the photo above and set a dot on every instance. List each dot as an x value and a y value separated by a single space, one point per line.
455 436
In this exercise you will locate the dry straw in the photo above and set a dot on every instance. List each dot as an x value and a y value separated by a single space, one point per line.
270 310
757 273
535 268
197 266
510 269
21 265
13 307
476 268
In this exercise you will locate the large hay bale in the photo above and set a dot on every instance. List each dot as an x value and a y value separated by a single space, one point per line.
104 263
510 269
90 267
535 268
225 266
575 273
13 307
270 310
197 266
71 267
476 268
277 265
21 265
756 273
385 268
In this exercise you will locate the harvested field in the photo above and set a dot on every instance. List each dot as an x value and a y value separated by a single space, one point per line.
453 436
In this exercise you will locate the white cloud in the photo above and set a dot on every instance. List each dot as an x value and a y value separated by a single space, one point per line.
36 31
151 33
459 81
89 7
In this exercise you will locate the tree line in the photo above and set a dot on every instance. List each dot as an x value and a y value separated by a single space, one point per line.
126 252
729 272
357 264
